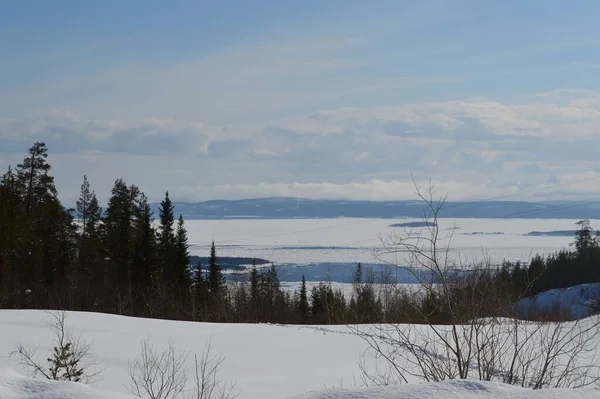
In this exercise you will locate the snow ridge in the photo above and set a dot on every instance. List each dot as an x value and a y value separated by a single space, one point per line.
455 389
16 386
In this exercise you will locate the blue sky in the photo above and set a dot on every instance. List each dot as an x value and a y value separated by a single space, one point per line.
328 99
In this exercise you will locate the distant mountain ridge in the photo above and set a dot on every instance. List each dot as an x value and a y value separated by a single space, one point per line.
297 208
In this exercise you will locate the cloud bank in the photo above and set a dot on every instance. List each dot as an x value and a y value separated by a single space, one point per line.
471 149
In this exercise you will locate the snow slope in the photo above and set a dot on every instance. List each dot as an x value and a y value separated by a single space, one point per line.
17 386
264 361
576 300
457 389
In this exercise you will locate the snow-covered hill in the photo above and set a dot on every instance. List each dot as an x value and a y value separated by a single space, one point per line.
577 300
16 386
457 389
265 361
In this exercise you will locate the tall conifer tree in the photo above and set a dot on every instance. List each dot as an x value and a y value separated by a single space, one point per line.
215 276
166 240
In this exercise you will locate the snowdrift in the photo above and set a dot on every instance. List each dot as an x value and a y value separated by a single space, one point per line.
577 300
16 386
456 389
264 361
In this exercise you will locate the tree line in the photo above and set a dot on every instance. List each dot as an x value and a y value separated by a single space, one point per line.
577 265
119 259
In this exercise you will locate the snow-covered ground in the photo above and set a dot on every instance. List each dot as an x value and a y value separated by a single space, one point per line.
17 386
264 361
457 389
578 300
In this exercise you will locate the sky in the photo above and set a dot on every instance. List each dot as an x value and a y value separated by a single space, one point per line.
315 99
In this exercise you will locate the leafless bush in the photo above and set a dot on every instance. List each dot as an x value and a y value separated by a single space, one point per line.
207 384
161 374
469 328
71 360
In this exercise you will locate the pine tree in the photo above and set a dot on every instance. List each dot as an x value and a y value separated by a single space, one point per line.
89 214
216 282
166 240
83 206
119 232
584 236
91 262
47 250
64 364
36 183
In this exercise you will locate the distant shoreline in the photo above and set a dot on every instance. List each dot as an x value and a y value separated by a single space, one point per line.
295 208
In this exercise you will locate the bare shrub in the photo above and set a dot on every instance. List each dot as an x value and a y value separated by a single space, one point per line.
207 384
71 360
469 328
161 374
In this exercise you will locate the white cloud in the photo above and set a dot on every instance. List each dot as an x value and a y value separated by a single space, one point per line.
473 149
375 190
579 119
67 131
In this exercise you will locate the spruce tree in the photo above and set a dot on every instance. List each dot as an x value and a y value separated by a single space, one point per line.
254 283
10 235
182 257
166 240
216 282
303 308
144 261
272 278
200 288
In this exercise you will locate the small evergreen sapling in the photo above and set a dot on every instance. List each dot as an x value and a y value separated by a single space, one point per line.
64 364
71 359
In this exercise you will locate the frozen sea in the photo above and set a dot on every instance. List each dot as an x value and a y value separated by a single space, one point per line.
328 249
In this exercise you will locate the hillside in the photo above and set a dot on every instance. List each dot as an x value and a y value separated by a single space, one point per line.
457 389
579 301
264 361
16 386
290 208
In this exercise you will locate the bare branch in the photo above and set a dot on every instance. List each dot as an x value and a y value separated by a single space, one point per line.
470 328
72 358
